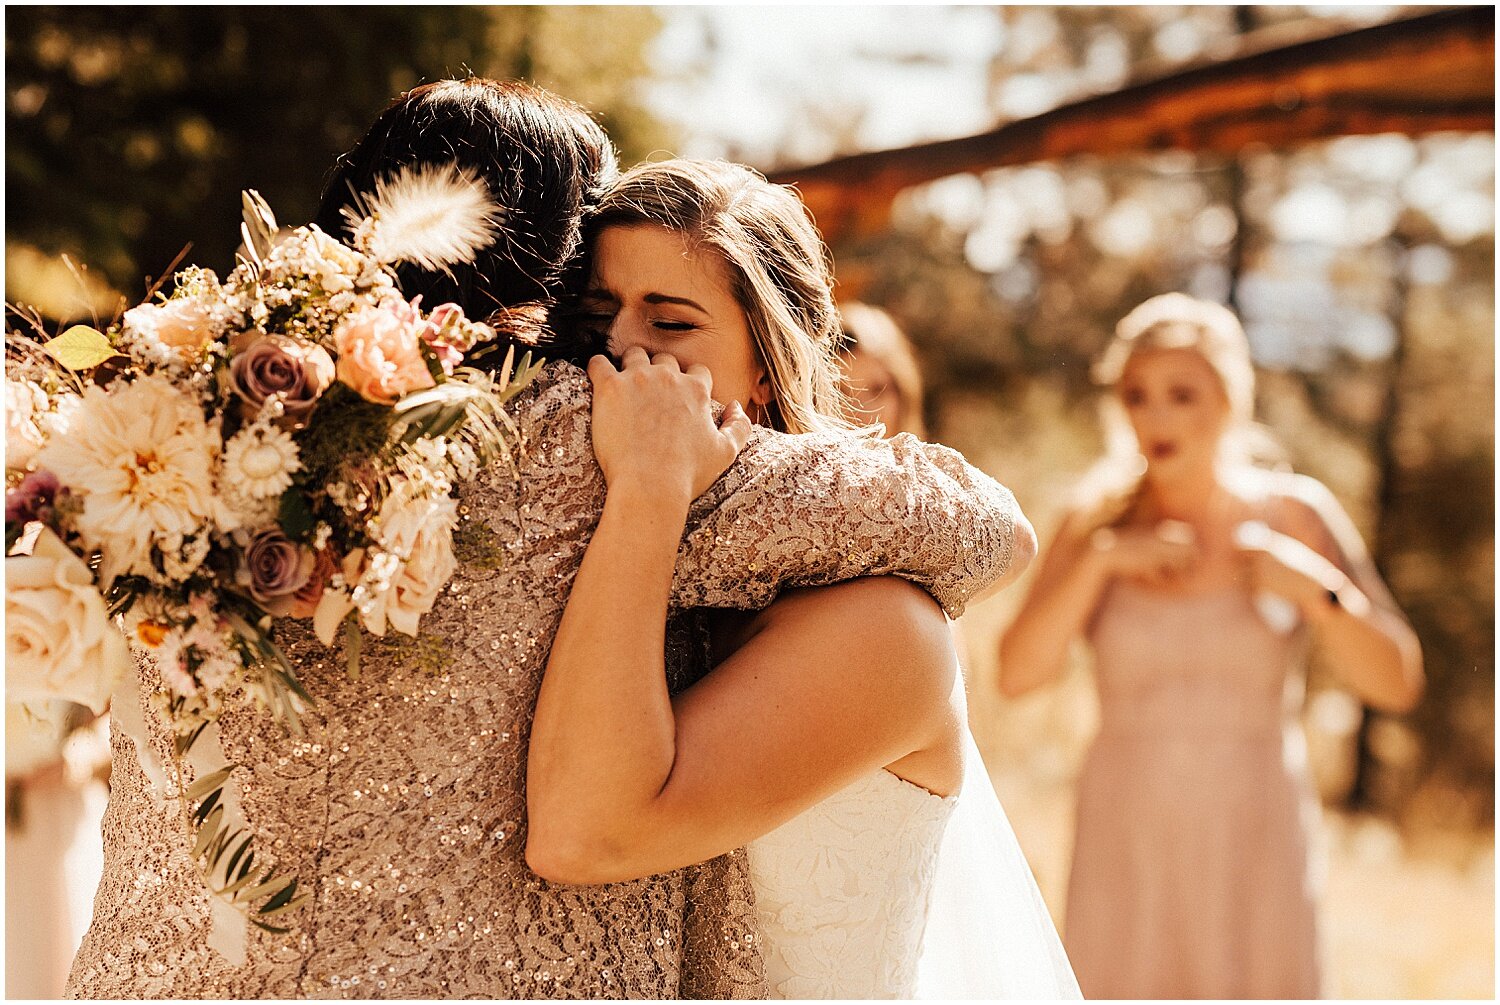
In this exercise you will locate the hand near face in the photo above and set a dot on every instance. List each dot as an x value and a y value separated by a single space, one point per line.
1156 556
653 426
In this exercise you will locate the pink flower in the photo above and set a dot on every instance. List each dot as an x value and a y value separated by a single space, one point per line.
444 333
32 499
183 325
296 371
380 352
305 600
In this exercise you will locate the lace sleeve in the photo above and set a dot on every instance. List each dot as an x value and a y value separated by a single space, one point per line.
821 508
802 510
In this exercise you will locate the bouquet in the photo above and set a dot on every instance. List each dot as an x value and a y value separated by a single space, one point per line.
282 443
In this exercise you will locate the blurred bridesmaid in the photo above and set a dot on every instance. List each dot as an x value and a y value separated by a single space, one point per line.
881 376
1197 575
55 766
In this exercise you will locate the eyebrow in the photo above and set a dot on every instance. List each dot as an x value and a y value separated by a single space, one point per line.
662 298
599 293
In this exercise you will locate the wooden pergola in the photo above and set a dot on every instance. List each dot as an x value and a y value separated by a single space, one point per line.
1415 75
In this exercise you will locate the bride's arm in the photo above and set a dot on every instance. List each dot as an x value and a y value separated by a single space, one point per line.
626 781
621 782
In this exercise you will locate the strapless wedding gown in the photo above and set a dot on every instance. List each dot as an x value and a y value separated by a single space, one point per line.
843 890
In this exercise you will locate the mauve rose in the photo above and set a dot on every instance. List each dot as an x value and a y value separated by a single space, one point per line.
275 568
380 354
32 499
298 372
305 600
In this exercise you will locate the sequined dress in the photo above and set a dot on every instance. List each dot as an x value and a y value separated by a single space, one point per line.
402 807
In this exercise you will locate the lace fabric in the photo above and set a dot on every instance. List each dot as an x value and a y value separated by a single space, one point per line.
403 808
843 890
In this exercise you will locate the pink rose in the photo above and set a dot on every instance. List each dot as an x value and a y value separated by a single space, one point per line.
184 324
296 371
380 352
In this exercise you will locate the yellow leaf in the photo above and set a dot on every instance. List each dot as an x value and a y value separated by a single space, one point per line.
80 348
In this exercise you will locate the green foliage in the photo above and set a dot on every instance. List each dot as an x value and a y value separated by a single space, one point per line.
131 131
476 546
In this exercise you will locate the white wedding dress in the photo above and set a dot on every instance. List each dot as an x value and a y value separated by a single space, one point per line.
884 890
842 891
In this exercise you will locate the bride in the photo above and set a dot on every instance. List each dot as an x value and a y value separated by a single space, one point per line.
840 707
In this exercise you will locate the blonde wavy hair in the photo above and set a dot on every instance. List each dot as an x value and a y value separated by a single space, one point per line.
1175 321
870 331
782 272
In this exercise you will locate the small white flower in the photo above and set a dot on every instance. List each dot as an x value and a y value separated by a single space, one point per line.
259 461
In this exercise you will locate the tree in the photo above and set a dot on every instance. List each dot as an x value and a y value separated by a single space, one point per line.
131 130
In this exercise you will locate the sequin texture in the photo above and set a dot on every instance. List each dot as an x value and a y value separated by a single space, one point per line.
403 806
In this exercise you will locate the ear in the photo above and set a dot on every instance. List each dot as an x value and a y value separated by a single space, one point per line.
761 394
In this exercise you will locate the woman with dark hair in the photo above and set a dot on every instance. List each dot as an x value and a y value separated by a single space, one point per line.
543 158
402 808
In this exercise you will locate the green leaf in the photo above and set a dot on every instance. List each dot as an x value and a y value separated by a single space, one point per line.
270 886
284 908
207 806
207 831
234 859
209 782
80 348
237 885
434 365
282 896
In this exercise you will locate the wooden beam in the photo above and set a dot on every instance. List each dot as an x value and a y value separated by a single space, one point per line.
1418 75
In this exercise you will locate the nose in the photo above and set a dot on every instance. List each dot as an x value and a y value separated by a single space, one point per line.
625 333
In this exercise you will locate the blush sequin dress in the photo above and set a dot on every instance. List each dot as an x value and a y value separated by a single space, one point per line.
402 808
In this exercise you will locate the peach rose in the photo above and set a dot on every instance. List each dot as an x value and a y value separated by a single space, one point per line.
380 352
184 324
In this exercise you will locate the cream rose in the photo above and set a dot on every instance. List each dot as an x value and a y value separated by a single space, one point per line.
380 352
184 324
59 641
429 524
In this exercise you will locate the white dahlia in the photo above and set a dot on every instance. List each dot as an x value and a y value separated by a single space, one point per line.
143 460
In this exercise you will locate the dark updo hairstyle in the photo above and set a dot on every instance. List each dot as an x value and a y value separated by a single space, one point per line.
545 161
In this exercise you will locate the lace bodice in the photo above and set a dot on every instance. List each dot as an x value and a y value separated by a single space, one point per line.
842 891
402 809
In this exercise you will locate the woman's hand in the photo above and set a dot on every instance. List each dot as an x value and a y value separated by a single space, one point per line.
1279 564
1157 556
653 425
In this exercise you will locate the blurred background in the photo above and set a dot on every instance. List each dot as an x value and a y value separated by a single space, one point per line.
1363 266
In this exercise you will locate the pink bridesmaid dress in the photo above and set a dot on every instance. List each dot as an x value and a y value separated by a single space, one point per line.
1194 871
